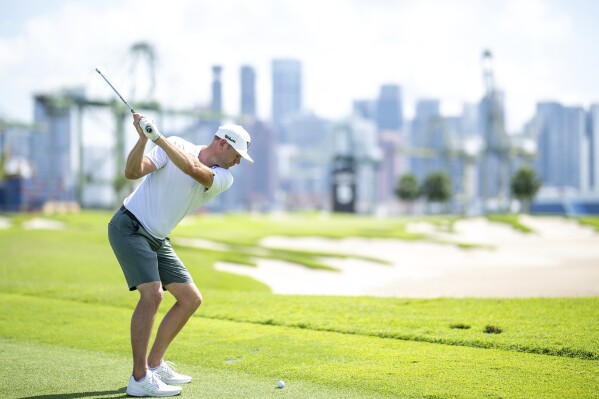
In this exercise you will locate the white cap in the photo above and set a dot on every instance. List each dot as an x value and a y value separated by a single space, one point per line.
237 137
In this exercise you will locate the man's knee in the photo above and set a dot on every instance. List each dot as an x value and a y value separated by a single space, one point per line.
151 293
187 295
193 301
198 300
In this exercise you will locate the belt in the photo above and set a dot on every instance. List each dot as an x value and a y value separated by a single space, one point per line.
128 213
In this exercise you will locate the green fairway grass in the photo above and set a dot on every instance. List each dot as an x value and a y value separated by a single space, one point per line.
93 374
512 220
65 314
590 221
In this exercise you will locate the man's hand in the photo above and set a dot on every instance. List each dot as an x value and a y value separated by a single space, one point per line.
149 129
136 118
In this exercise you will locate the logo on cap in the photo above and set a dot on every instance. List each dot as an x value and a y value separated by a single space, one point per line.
229 138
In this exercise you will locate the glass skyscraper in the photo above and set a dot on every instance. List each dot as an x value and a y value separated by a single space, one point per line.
286 92
248 91
593 140
563 159
217 99
389 112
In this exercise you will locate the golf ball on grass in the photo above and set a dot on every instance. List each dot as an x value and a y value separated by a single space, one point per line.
281 384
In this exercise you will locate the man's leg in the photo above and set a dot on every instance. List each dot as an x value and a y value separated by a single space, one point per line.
142 321
189 300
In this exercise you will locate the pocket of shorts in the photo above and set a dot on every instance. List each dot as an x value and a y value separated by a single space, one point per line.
125 224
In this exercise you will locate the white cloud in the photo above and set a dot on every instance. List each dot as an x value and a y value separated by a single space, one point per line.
535 21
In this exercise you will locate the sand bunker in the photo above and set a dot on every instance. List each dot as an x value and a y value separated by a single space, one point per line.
560 259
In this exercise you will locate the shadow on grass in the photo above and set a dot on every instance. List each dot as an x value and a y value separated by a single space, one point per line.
119 393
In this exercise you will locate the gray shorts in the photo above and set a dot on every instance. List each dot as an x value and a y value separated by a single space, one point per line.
144 258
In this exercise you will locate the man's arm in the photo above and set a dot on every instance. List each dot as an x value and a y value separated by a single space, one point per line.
189 164
137 165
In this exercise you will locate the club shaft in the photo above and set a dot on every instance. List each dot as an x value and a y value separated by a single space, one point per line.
116 91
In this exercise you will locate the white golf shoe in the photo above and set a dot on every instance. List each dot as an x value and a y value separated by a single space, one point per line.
151 385
168 374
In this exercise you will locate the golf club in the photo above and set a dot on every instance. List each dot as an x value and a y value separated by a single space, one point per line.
117 93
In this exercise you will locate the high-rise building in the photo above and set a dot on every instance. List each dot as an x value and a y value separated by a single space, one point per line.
365 109
427 110
258 181
248 91
389 166
304 159
493 179
357 146
578 149
426 139
593 140
389 109
286 92
469 119
217 100
206 127
53 153
563 149
453 137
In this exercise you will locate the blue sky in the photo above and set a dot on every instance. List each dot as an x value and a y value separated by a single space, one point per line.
543 50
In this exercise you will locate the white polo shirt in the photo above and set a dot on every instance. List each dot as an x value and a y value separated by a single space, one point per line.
167 195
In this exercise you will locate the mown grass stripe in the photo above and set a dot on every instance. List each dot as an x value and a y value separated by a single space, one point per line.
94 374
365 365
561 352
540 350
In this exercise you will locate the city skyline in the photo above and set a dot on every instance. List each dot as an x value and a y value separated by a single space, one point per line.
348 49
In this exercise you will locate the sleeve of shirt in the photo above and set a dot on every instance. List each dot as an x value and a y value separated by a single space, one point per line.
223 179
157 156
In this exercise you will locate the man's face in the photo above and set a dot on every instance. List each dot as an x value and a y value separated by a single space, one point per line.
230 157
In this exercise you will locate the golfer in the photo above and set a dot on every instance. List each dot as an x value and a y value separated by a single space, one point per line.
179 178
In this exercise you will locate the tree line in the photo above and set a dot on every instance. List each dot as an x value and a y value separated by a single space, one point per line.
437 187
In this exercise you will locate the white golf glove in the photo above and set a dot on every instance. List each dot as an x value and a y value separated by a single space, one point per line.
149 128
